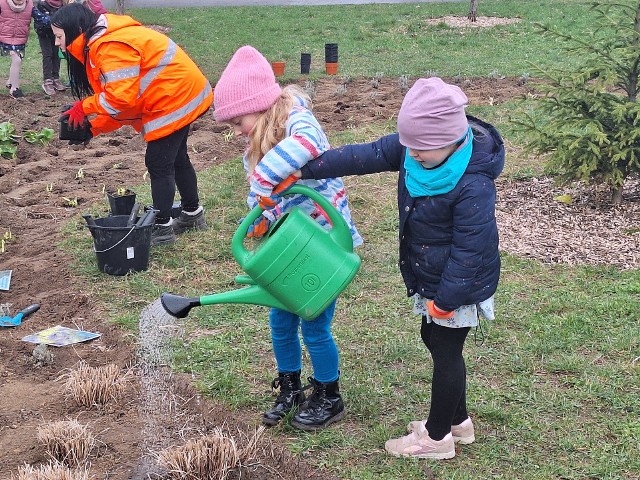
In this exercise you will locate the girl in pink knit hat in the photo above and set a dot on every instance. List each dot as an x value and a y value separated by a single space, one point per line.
449 260
15 19
283 135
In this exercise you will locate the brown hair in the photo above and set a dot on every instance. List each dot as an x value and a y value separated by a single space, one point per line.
271 125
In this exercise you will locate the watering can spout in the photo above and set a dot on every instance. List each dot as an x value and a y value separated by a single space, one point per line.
179 306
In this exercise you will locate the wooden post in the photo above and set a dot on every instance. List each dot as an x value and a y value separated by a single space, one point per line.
120 7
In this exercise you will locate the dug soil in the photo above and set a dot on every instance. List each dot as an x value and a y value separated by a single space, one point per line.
35 191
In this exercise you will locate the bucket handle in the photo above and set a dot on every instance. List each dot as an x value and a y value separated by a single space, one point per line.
116 244
340 232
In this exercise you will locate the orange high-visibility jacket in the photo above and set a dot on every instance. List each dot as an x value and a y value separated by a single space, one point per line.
140 78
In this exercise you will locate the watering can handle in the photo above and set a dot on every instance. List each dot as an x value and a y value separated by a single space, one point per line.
340 232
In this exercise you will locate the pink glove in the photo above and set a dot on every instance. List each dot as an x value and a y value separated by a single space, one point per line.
75 115
436 313
272 200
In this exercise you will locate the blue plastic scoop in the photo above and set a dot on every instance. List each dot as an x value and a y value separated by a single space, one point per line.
8 321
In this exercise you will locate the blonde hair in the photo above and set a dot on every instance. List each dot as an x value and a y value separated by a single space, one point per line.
271 126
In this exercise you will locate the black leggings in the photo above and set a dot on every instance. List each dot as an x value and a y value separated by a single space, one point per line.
169 167
449 383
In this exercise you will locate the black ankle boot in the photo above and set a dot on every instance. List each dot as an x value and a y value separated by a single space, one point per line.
322 408
290 396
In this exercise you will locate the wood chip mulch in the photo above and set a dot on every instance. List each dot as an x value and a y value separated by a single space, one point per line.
589 230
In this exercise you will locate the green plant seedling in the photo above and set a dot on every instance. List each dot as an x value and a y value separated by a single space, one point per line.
228 135
8 139
70 202
80 174
42 137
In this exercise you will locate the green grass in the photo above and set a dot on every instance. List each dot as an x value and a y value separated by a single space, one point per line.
393 39
554 382
390 38
554 388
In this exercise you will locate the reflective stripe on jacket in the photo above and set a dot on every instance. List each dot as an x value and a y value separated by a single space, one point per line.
140 78
14 26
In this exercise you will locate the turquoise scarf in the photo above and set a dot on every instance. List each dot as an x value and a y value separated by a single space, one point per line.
422 182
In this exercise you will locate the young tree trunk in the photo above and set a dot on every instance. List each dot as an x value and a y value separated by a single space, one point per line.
633 84
473 11
120 7
616 195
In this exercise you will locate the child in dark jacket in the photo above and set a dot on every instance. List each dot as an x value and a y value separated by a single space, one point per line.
449 257
42 12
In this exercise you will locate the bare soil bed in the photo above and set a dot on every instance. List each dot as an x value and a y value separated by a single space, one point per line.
532 224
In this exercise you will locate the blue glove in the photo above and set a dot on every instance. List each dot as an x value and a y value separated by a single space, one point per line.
259 228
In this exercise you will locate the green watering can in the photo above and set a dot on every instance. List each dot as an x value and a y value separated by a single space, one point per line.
298 266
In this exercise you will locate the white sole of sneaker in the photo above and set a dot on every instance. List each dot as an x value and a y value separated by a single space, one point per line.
464 440
432 456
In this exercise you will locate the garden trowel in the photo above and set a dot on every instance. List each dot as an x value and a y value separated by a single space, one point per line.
9 321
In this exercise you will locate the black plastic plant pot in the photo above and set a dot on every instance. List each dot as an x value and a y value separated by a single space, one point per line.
68 133
305 63
121 203
331 53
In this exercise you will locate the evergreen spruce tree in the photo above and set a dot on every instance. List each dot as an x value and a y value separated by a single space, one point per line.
588 119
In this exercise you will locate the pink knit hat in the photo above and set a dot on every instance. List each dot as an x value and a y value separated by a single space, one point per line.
246 86
432 115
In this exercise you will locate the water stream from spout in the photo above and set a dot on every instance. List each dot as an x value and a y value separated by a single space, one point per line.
158 402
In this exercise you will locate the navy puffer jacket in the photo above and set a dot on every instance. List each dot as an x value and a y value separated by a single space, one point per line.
449 242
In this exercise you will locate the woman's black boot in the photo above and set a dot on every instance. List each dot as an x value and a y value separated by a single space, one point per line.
290 396
322 408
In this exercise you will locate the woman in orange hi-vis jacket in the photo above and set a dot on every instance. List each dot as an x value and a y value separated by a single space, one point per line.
127 74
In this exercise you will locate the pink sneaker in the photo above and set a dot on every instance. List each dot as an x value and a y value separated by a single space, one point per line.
58 85
48 87
463 433
421 445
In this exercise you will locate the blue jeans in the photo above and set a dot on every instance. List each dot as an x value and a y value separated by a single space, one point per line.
317 338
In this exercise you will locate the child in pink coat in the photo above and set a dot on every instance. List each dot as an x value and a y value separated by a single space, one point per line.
94 5
15 20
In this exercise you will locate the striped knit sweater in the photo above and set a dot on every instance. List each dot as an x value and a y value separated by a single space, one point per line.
305 141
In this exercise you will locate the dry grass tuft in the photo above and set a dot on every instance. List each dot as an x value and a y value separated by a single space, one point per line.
95 386
209 458
68 442
53 471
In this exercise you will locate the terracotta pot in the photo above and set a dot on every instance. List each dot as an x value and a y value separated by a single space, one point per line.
278 68
331 68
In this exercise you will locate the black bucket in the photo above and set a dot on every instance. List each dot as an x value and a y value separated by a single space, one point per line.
121 249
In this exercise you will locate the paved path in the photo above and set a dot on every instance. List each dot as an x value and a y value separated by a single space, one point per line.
110 4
